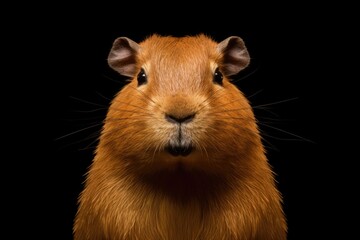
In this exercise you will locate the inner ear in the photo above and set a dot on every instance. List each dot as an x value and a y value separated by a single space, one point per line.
235 56
122 57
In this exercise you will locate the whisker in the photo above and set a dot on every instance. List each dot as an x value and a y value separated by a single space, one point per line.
205 151
289 133
82 119
88 102
133 118
228 103
277 102
246 76
254 132
266 110
261 107
95 134
202 149
111 79
146 96
262 135
158 148
256 93
89 147
208 98
268 122
92 142
231 110
78 131
132 111
268 144
212 95
91 111
274 119
237 118
101 95
120 129
125 134
129 104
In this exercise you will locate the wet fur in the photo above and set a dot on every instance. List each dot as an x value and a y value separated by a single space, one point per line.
225 189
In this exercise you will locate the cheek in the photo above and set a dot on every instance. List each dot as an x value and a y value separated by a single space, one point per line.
127 124
230 126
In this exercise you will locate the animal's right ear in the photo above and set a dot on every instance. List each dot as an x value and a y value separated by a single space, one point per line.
122 56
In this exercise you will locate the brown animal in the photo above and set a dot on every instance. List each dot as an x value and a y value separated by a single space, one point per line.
180 155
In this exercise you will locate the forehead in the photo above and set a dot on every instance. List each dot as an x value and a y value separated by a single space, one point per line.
189 52
178 65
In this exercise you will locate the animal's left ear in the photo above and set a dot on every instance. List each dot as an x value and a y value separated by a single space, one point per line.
235 56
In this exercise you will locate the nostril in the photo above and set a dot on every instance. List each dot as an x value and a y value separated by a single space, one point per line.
179 119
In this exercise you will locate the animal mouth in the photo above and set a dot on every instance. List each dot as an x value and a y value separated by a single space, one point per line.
180 142
179 150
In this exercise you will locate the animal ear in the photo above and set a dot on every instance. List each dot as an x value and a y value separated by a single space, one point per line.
122 56
235 56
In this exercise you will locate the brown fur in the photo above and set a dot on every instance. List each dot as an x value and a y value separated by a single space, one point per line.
224 189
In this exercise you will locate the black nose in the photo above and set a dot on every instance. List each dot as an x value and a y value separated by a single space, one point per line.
179 119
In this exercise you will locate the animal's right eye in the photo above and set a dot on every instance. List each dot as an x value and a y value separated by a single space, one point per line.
218 77
141 77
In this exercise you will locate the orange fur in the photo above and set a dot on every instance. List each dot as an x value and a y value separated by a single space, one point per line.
224 189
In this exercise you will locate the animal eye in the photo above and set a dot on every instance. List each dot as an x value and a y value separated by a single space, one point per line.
141 77
218 77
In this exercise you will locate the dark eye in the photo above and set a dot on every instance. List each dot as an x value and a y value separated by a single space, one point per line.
218 77
141 77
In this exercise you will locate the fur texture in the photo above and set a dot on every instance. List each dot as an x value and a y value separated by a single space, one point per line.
136 189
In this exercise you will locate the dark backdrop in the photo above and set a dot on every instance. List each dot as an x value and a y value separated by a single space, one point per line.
290 62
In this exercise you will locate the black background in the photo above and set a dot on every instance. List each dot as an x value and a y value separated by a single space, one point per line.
290 59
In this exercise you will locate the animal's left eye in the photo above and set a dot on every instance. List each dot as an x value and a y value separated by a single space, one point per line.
218 77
